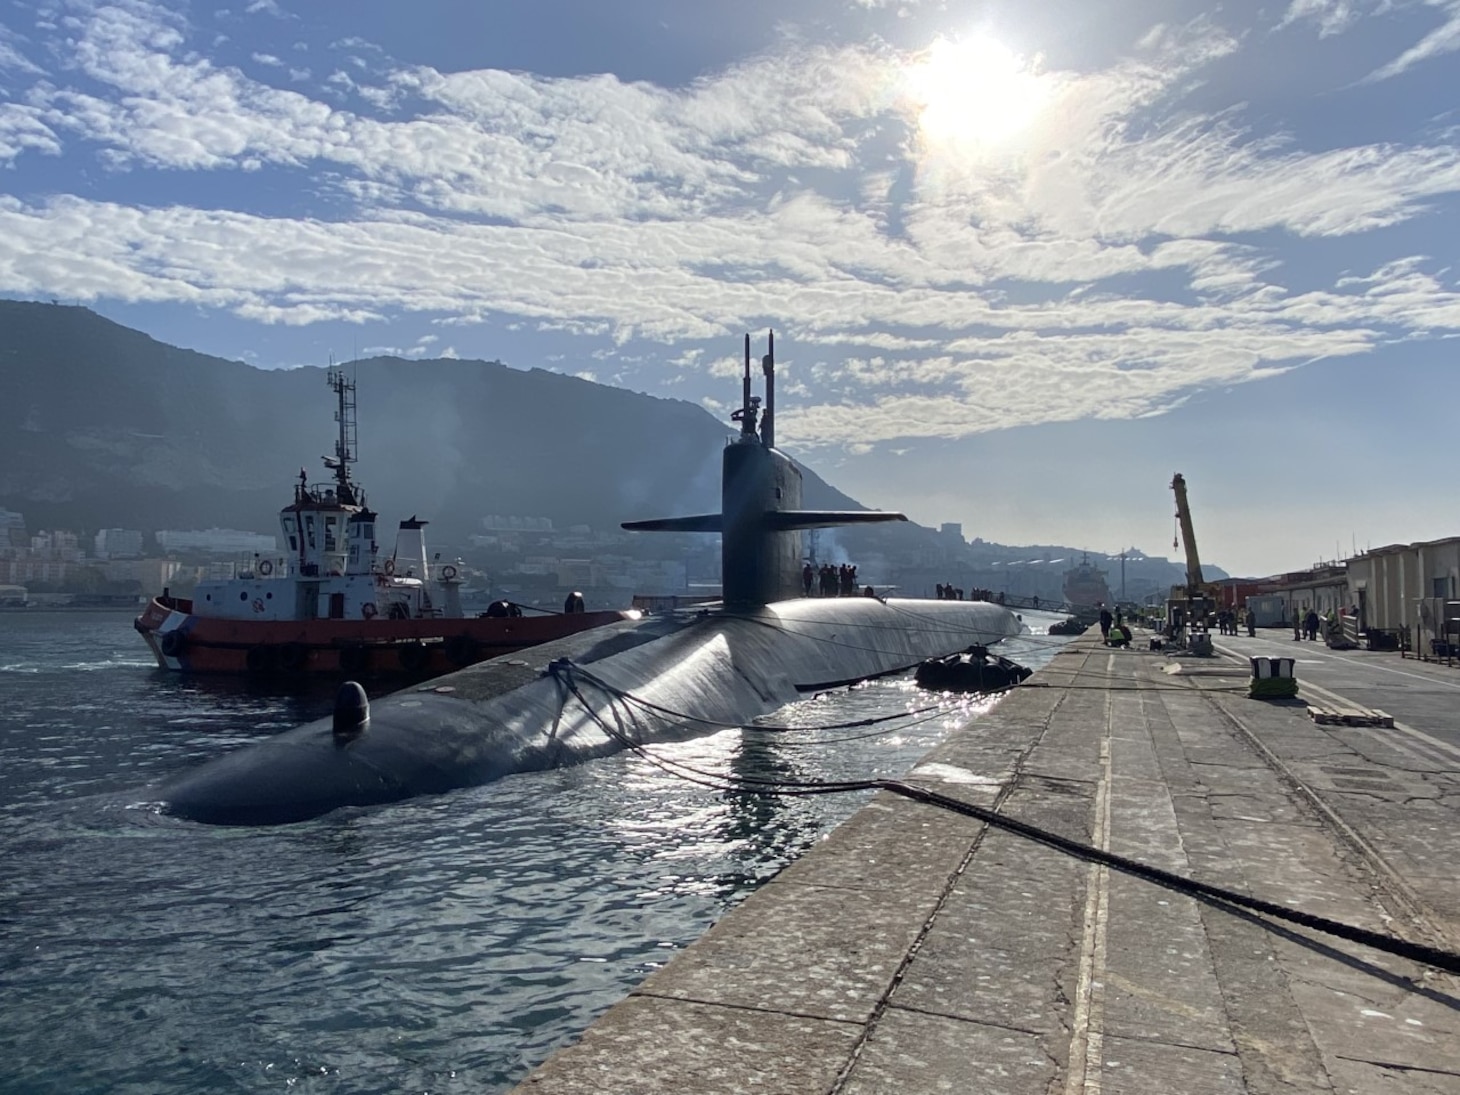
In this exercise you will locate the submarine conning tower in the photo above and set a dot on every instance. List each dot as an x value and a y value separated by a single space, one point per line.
760 514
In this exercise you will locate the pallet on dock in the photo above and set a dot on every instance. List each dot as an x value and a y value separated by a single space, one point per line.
1349 716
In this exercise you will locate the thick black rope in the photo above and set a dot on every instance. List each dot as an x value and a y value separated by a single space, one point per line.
563 670
1419 952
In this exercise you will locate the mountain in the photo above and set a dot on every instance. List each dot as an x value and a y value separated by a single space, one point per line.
103 426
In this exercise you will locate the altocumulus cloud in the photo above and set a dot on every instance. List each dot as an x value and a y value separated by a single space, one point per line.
1122 251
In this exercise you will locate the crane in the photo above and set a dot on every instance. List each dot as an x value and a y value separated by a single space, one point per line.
1189 605
1188 534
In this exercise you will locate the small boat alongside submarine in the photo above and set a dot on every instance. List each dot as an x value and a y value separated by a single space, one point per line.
971 670
657 679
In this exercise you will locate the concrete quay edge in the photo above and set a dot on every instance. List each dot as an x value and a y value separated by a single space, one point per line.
917 950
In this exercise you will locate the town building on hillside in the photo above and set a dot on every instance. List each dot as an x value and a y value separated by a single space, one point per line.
151 575
32 570
60 544
216 541
12 532
496 522
117 543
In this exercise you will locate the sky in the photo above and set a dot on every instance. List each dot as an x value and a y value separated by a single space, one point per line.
1023 261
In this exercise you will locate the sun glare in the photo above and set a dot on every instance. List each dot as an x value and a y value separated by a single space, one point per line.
973 92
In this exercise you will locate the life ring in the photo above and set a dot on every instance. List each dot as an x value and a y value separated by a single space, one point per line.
171 643
266 568
293 656
389 567
448 572
354 660
413 657
258 604
462 650
368 610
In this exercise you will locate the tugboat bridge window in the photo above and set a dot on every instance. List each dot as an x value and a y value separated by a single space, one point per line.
289 531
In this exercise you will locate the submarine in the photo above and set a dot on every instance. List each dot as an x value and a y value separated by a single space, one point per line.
658 678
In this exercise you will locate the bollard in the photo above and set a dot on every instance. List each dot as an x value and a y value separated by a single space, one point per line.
1272 679
352 713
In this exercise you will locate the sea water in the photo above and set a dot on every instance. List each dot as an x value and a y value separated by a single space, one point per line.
444 944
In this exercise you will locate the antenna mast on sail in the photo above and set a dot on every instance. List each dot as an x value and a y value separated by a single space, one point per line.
749 410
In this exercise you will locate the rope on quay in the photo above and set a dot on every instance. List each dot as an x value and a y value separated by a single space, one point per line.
569 675
1446 960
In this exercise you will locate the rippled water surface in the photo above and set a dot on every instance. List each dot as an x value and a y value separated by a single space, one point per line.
439 945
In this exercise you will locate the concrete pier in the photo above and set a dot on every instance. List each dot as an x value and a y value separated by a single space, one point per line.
917 950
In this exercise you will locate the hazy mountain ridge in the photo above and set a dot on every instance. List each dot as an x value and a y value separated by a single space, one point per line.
108 427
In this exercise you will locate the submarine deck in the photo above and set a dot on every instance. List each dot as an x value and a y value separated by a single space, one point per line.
918 950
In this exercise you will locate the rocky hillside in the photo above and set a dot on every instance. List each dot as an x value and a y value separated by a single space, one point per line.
103 426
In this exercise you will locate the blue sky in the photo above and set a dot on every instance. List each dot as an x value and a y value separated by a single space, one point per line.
1023 261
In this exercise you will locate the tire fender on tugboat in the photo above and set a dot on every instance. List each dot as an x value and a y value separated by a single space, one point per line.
354 660
293 656
171 643
412 657
260 659
462 650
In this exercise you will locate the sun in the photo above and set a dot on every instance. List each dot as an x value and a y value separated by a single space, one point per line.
975 91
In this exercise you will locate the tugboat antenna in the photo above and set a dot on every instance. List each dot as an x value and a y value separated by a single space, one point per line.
345 444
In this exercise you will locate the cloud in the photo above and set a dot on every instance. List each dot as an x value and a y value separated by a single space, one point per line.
22 130
1443 39
1332 16
1124 251
12 59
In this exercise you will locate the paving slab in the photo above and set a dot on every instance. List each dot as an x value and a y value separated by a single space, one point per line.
646 1046
912 1054
827 952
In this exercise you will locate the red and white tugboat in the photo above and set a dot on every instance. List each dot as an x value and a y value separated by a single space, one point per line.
333 605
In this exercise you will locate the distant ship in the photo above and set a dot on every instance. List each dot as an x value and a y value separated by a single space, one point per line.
333 605
1085 584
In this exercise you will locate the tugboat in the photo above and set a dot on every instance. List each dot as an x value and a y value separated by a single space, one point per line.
332 605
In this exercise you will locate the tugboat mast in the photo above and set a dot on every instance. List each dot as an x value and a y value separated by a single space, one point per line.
345 444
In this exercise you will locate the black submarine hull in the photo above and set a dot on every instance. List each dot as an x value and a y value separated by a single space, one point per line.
511 715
